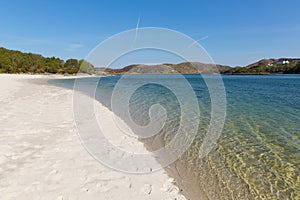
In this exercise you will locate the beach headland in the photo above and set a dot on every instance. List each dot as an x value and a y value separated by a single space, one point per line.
42 156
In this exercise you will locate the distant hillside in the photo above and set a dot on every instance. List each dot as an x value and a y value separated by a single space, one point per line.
269 66
182 68
265 66
12 61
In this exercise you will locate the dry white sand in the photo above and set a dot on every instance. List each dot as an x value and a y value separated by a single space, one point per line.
41 156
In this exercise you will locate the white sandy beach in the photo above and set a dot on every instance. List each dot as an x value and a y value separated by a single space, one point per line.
41 156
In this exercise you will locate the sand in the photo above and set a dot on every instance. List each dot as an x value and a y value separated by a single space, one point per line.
41 155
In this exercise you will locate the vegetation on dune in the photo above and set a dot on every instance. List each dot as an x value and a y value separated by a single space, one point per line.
12 61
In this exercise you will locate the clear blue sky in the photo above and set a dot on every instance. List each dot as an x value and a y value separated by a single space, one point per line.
234 32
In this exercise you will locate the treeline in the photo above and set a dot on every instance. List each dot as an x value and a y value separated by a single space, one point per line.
12 61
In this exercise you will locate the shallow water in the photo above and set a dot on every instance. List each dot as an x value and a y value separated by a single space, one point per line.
258 153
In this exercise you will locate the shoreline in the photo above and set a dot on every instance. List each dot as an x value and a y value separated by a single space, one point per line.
45 154
186 183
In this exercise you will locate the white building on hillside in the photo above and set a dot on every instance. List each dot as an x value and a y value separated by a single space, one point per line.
282 62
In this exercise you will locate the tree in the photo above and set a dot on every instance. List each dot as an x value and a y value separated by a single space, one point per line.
71 63
86 67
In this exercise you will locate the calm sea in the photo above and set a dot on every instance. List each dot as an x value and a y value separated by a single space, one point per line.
258 153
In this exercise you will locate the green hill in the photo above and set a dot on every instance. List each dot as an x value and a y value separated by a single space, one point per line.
269 66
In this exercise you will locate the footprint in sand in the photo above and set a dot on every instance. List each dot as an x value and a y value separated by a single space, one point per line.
147 189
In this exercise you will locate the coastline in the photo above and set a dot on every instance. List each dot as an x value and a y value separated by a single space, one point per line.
42 155
183 178
186 183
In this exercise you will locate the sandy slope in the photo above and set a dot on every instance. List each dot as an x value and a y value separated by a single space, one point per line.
41 156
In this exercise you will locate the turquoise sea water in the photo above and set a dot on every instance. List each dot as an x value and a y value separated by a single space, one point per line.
258 153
